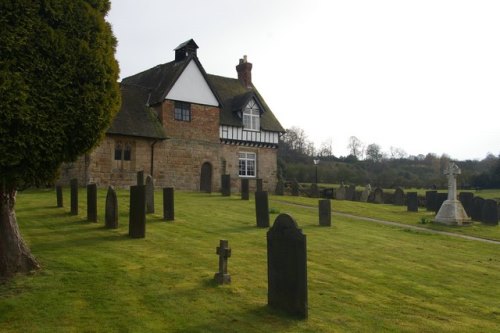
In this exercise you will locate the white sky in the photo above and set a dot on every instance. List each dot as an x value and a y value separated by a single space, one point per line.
421 75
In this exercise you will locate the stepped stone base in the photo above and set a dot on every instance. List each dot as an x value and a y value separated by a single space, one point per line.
452 213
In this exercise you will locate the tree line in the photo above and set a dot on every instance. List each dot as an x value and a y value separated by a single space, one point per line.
368 164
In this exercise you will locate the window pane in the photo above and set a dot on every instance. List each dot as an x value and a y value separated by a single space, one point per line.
118 152
127 153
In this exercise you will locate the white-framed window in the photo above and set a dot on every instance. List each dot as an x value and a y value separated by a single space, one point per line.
247 164
251 116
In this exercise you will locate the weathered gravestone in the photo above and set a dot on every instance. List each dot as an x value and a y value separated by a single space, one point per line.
258 185
489 214
137 217
59 196
287 267
226 185
295 188
74 196
412 201
430 201
280 188
150 195
350 192
262 209
168 203
92 202
140 178
477 208
325 212
340 193
224 252
111 210
378 196
466 198
399 197
327 193
366 193
245 189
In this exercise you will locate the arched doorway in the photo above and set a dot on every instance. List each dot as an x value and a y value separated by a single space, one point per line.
206 178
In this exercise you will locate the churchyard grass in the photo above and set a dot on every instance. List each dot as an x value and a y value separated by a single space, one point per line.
362 276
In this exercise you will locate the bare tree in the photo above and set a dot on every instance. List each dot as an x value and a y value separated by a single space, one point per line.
355 147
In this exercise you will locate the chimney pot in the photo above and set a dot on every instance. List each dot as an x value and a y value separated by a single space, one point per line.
244 70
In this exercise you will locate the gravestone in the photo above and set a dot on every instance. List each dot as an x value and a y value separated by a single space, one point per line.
224 252
412 201
452 212
378 196
340 193
314 190
477 208
366 193
74 196
440 198
140 178
226 185
245 189
466 198
489 213
327 193
399 197
280 188
258 185
59 196
325 212
137 217
150 195
262 209
287 267
111 210
168 203
295 188
430 201
92 202
350 192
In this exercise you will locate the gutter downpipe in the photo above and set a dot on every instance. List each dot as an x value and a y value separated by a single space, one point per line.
153 155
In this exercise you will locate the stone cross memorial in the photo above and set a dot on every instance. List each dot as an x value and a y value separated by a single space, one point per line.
111 210
224 252
452 212
287 267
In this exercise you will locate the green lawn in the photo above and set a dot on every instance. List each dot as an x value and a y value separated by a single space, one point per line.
363 277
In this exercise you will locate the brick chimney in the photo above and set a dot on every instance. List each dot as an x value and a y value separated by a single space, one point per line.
244 70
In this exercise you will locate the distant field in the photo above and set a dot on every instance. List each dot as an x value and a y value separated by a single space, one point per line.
362 276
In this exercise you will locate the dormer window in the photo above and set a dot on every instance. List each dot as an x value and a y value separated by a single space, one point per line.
251 116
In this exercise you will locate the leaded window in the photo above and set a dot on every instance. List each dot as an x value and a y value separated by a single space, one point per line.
251 116
182 111
247 164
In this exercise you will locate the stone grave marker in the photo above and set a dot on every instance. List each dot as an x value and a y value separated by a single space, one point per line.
325 212
477 208
366 193
340 193
137 217
430 201
226 185
168 203
287 267
111 210
224 252
466 198
280 188
262 209
245 189
452 212
412 201
327 193
59 196
140 178
378 196
150 195
489 214
350 193
74 196
295 188
399 197
258 185
92 202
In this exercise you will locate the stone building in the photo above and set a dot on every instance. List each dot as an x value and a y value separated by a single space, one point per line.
186 128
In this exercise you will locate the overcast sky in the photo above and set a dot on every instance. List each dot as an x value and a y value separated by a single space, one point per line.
420 75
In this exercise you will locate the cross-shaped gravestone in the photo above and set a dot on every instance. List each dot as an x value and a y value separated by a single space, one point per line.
224 252
452 171
451 211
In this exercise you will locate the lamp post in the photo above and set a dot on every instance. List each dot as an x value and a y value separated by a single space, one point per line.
316 162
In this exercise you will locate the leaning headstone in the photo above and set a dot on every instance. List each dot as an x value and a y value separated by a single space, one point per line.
92 202
74 196
280 188
412 201
140 178
258 185
137 217
489 214
168 203
295 188
287 267
340 193
452 212
262 209
111 210
366 193
466 198
399 197
150 195
325 212
226 185
59 196
378 196
245 189
477 208
430 201
224 252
